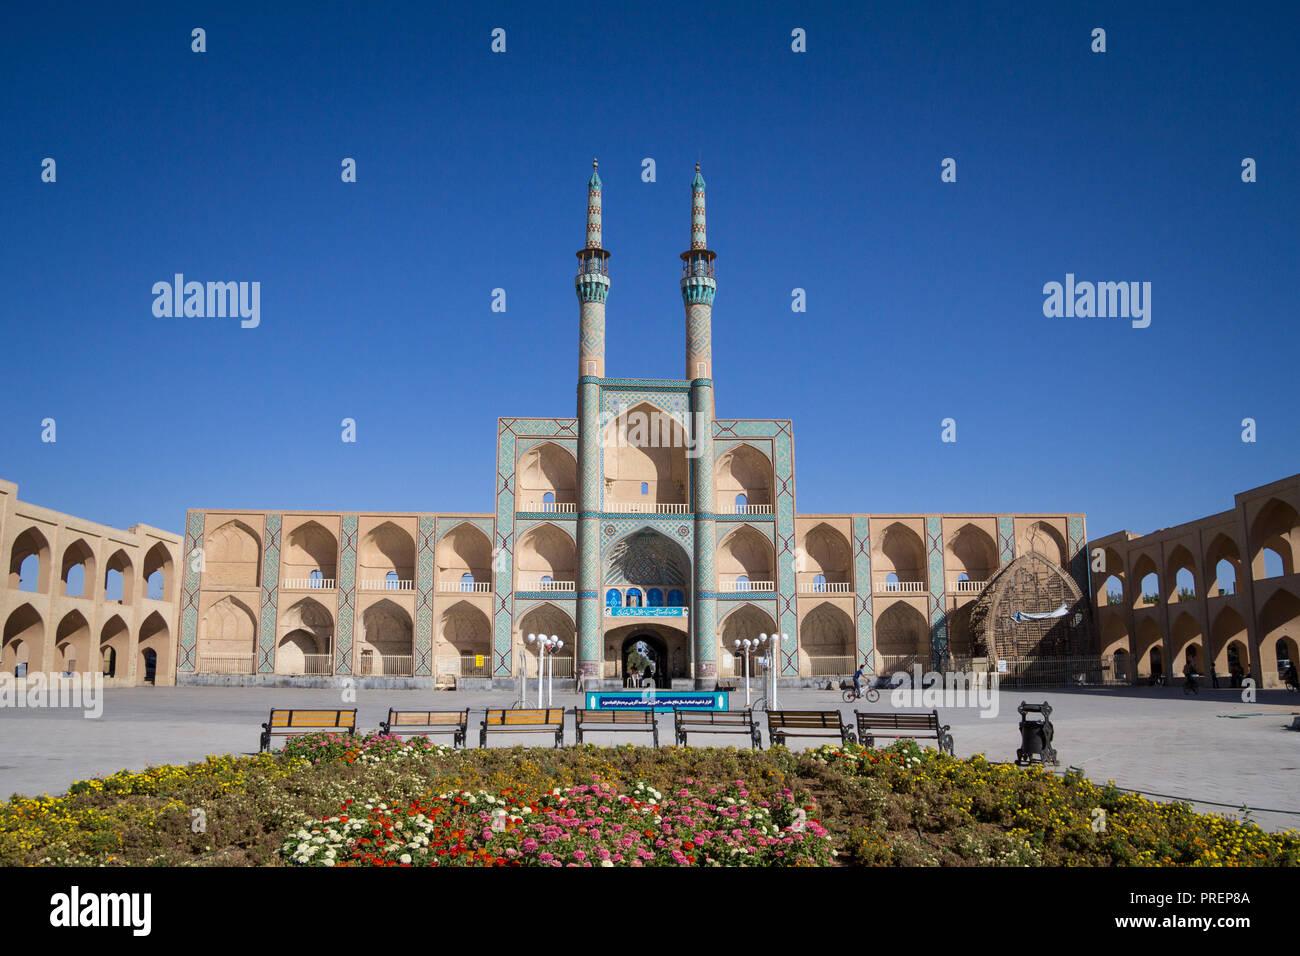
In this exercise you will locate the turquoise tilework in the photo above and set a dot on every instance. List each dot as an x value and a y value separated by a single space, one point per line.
270 594
190 584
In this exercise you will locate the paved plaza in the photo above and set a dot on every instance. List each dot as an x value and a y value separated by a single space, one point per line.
1212 747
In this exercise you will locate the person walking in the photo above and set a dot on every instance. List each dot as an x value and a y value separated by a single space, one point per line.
1214 677
1189 676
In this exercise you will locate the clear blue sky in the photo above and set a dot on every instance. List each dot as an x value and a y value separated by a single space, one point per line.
924 298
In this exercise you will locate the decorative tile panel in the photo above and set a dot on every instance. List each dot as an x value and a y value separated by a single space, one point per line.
345 628
190 586
270 594
1006 539
862 586
938 616
425 549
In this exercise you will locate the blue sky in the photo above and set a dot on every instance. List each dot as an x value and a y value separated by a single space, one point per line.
924 299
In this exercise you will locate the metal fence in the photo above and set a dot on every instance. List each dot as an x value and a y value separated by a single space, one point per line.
391 665
842 666
225 664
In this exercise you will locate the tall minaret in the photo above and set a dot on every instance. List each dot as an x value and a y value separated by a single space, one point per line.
592 284
698 287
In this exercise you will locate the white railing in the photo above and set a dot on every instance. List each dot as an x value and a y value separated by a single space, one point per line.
968 587
379 584
841 666
550 507
535 584
826 587
735 509
882 586
306 584
225 664
313 664
750 586
393 665
465 587
648 508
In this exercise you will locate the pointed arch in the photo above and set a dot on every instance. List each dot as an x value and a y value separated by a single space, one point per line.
465 549
310 547
545 550
743 470
155 640
114 638
744 554
1111 580
464 635
1229 627
387 644
158 573
1276 528
78 570
1180 574
902 638
547 469
29 562
644 445
901 553
553 621
232 557
386 549
1042 538
1146 580
72 643
119 577
227 641
828 641
971 551
1223 561
826 552
647 558
23 646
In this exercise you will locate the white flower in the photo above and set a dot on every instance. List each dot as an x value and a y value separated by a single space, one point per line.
405 858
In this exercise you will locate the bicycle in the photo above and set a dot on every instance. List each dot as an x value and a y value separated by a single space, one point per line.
850 695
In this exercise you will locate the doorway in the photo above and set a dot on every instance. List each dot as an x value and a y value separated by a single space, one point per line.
646 650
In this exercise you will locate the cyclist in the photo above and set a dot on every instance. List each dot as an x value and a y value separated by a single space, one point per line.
857 679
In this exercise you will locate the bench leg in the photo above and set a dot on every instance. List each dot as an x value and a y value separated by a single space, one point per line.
559 738
655 732
578 736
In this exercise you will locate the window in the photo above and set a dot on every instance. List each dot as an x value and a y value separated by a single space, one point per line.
675 598
741 503
742 583
548 502
546 579
316 579
467 582
655 597
645 488
633 597
390 581
613 598
819 582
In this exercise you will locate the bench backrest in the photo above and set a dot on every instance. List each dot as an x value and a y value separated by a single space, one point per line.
804 719
313 719
722 718
897 721
614 716
427 718
551 716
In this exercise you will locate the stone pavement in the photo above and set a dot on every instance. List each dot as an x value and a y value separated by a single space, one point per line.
1208 748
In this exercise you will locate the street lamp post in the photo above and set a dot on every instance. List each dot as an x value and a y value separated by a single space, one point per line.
545 645
747 647
776 640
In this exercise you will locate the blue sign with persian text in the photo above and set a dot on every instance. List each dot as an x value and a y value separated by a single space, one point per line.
659 700
645 611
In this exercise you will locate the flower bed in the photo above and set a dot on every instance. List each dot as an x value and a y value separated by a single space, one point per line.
588 825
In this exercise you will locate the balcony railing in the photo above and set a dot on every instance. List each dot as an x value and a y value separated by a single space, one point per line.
465 587
306 584
826 587
749 586
648 508
390 665
313 664
968 587
535 584
550 507
881 586
380 584
734 509
225 664
839 666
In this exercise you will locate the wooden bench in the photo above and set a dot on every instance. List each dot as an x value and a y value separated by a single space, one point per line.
290 723
616 720
893 724
455 722
716 722
549 720
807 723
